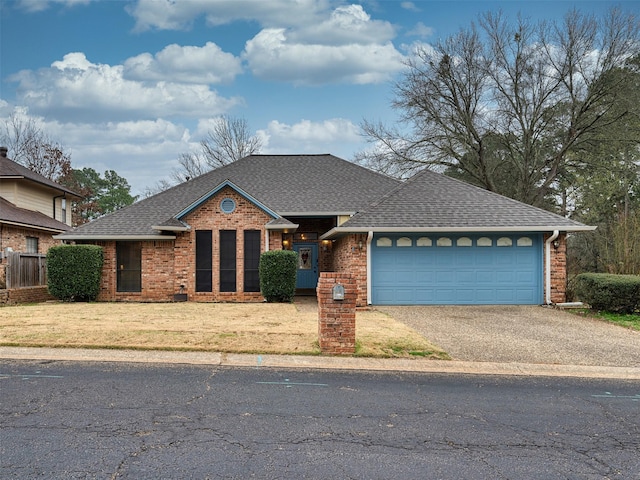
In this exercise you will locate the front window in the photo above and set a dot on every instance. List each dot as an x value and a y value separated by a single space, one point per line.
129 259
32 245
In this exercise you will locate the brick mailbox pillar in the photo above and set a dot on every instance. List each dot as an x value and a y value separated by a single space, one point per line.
336 316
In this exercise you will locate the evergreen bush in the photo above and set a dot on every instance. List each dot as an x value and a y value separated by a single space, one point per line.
609 293
278 275
74 271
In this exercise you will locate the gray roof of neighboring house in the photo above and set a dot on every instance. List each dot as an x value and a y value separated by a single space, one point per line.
12 170
430 201
291 185
13 215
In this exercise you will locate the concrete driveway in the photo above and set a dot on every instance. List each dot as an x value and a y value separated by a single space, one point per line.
522 334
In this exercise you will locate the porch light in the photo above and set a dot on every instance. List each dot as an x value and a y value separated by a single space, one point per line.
556 244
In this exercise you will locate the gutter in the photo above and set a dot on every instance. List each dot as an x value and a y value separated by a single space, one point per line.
547 251
71 236
337 231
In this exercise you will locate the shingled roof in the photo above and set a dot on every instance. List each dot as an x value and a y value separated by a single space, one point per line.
291 185
13 215
430 201
12 170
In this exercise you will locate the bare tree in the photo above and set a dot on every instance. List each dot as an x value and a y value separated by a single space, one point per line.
229 140
31 147
505 106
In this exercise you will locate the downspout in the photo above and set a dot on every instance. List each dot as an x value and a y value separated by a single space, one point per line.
547 281
266 240
369 240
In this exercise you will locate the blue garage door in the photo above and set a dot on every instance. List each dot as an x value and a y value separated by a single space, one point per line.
456 269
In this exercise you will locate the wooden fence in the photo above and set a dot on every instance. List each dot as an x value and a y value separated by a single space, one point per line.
26 270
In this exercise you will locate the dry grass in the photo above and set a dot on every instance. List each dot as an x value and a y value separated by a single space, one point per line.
222 327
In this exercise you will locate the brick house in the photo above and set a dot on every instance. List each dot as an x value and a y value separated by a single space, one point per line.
33 209
428 240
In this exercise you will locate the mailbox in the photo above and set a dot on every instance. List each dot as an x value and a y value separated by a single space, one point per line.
338 292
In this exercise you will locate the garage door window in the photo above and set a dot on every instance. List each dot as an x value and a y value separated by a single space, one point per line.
484 242
383 242
444 242
464 242
505 242
524 242
404 242
424 242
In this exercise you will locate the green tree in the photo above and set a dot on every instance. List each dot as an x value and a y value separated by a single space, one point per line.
101 194
606 189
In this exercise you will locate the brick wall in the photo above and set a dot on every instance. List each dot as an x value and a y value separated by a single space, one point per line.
336 318
16 238
25 295
558 270
350 257
168 265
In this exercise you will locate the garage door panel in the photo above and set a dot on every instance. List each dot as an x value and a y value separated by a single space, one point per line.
458 272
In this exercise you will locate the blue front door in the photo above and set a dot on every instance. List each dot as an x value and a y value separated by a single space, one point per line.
307 276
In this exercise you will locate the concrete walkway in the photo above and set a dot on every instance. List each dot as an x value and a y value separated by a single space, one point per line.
418 365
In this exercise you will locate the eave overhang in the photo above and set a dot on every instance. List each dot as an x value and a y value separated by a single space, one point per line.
32 227
340 231
121 238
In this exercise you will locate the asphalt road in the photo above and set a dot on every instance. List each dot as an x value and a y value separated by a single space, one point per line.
62 420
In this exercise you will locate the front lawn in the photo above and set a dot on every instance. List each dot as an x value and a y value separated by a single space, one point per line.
217 327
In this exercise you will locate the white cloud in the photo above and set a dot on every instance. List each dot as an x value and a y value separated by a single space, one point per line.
409 6
421 30
41 5
172 15
77 89
187 64
271 56
346 25
337 135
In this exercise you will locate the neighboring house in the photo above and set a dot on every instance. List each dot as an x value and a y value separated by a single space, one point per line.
32 210
429 240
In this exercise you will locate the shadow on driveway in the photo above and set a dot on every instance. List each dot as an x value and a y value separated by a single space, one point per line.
525 334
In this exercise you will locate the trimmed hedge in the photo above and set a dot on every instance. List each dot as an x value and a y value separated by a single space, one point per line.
74 271
609 293
278 269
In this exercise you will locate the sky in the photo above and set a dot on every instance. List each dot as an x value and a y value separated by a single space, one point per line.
130 85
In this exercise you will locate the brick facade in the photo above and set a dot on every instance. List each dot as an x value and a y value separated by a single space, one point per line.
337 318
168 267
558 270
350 256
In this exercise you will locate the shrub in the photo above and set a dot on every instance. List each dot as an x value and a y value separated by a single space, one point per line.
610 293
74 272
278 275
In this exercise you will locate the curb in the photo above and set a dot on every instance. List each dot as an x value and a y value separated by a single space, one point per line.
320 362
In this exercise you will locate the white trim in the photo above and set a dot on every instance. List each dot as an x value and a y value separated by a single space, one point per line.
171 229
115 237
369 240
315 214
533 229
547 273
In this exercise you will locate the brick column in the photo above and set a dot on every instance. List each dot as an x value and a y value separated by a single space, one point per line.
337 318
